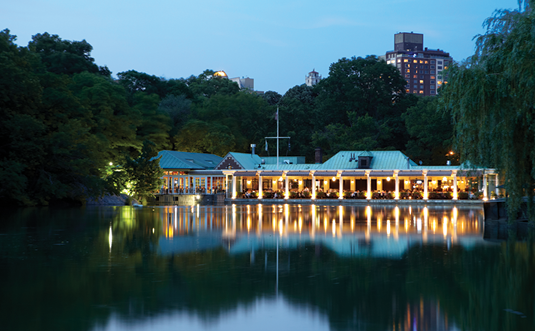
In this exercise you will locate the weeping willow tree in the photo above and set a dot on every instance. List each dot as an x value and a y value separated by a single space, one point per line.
492 96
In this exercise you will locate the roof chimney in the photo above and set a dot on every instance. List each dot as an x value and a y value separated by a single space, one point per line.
318 157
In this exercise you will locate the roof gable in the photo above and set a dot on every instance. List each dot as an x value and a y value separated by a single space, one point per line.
380 160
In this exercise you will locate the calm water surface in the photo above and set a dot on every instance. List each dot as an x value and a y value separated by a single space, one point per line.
265 267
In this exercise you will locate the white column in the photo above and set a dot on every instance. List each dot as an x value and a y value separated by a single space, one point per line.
455 194
396 197
485 194
286 189
233 186
341 187
369 186
497 184
313 189
425 186
259 186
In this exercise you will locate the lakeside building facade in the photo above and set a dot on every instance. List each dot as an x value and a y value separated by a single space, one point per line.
421 67
347 175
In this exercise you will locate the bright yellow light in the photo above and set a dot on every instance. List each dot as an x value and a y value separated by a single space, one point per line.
220 73
325 182
249 182
387 179
444 179
280 179
111 163
334 178
352 181
379 182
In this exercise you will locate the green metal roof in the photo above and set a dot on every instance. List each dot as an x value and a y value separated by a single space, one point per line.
188 161
293 159
380 160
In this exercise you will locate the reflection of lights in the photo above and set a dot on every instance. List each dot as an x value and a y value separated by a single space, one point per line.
110 238
388 227
280 227
248 223
334 228
445 226
379 224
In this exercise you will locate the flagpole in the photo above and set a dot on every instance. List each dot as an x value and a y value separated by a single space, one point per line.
277 137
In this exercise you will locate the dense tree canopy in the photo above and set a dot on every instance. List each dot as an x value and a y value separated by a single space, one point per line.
492 102
64 120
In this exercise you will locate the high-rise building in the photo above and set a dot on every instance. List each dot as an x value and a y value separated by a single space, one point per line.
313 78
421 67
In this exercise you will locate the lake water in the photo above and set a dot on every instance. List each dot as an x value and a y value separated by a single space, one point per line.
270 267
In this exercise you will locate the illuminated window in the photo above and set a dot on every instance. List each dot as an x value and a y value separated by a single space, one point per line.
414 91
399 60
416 71
421 81
414 76
445 82
415 61
426 61
439 82
421 92
445 68
421 61
432 77
408 91
407 76
405 60
408 70
408 65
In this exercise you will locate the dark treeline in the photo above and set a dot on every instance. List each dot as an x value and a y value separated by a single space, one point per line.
66 123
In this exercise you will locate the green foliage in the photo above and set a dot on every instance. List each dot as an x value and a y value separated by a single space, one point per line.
430 130
65 57
489 97
144 173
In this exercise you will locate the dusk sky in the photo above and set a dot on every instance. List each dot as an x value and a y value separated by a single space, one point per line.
275 42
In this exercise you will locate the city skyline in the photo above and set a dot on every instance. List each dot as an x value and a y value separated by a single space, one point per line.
276 44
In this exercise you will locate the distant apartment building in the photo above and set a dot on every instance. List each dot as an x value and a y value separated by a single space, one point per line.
421 67
313 78
244 83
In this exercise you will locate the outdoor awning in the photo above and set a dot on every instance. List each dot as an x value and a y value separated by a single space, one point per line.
438 173
325 173
298 173
382 173
271 173
205 173
410 173
470 173
354 173
245 174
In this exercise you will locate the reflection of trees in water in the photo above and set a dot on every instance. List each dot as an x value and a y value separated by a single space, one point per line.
79 283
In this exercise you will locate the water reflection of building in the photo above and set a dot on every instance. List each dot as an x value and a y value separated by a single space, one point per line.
349 231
